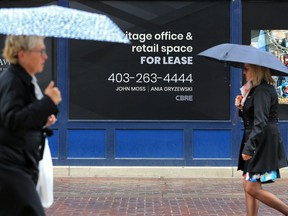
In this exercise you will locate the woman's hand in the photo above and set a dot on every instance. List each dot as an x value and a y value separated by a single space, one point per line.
238 100
246 157
53 92
51 120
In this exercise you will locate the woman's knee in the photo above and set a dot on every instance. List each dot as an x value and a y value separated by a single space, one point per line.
252 188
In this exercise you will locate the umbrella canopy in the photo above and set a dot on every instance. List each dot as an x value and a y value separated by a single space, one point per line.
60 22
236 55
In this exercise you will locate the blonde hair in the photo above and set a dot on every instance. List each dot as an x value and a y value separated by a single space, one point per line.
260 74
14 44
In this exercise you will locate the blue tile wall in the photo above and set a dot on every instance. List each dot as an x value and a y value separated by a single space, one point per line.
86 144
149 144
212 144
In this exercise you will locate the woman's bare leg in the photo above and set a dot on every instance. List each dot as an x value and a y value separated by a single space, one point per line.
252 204
255 190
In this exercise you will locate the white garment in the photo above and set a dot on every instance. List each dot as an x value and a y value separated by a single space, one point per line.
245 89
45 181
38 92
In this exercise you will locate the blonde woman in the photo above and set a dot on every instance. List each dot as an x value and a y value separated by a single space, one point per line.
262 153
23 125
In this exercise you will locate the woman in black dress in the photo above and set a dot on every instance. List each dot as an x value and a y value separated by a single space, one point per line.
262 153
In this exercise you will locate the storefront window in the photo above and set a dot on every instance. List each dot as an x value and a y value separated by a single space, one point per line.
269 34
275 42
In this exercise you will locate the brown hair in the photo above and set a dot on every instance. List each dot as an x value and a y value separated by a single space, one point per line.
13 44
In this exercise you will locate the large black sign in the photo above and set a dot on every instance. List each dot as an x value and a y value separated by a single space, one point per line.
159 75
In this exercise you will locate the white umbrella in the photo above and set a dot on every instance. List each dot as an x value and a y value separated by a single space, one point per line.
60 22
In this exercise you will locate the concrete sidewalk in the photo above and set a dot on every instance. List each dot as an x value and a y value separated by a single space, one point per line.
78 196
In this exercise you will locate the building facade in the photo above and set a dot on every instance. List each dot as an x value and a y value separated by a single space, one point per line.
155 102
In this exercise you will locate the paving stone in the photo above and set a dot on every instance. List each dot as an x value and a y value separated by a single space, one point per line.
155 197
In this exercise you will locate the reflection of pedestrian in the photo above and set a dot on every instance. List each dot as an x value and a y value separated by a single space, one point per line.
262 152
23 125
285 91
